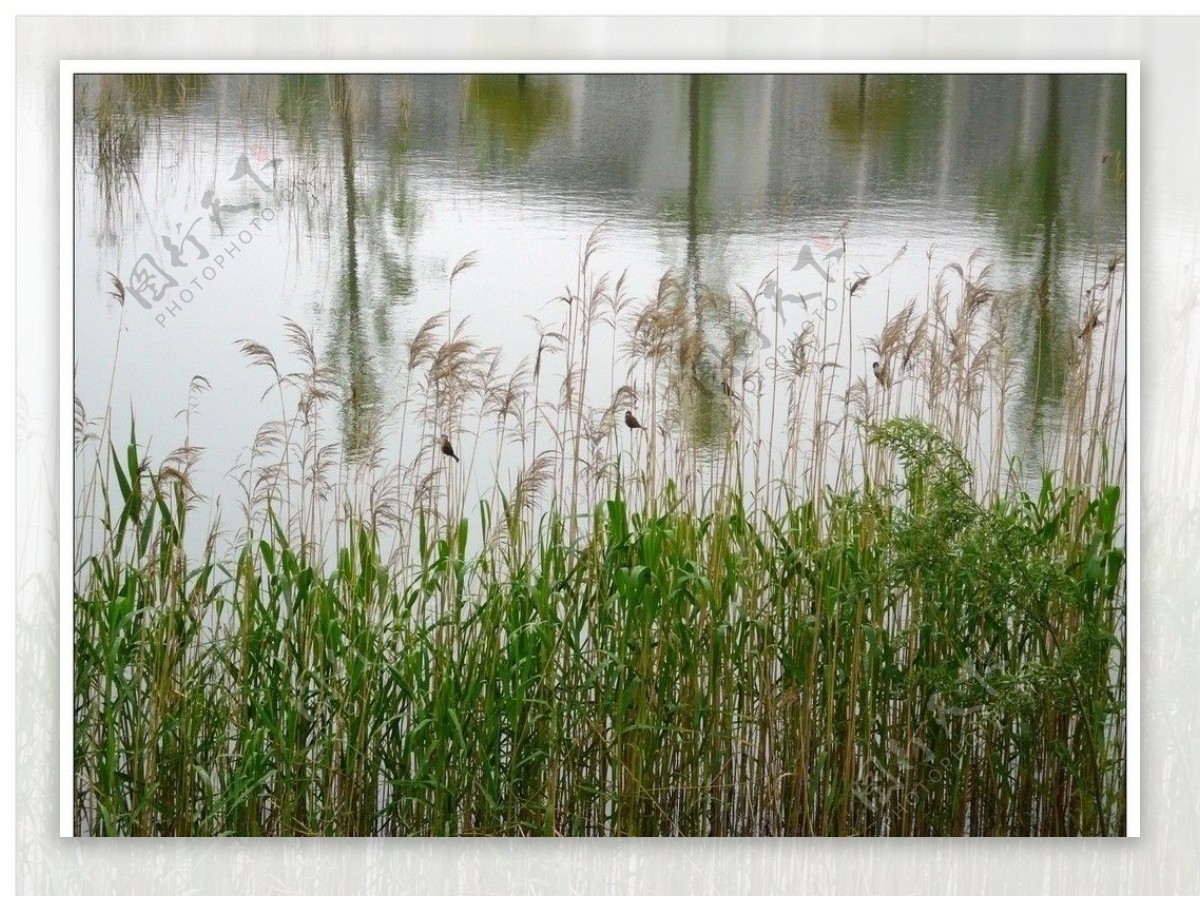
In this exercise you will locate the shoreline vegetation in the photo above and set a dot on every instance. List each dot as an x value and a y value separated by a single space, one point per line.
857 621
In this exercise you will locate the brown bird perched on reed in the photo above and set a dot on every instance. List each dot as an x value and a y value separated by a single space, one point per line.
1093 321
447 448
881 373
632 422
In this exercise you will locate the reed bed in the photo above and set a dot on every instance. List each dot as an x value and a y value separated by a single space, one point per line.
801 601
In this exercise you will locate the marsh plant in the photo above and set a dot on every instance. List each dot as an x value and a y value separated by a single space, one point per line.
809 597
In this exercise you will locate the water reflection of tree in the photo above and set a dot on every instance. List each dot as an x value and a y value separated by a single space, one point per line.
1028 201
391 218
119 139
123 111
348 343
156 95
305 106
704 407
891 115
377 217
509 114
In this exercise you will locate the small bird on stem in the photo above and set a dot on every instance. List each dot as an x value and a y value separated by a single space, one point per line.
881 373
447 448
632 422
1093 321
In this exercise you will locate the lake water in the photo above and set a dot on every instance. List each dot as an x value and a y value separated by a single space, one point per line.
227 204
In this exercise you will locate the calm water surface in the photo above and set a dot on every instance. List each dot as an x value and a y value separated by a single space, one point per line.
228 204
